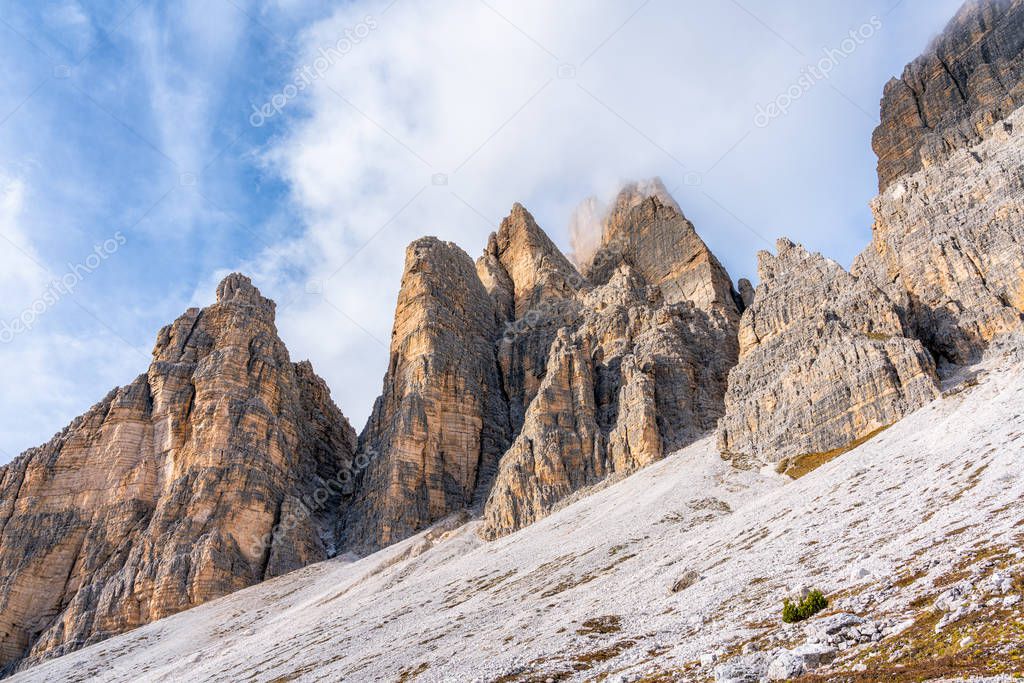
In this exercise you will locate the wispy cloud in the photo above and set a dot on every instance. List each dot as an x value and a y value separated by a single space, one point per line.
433 123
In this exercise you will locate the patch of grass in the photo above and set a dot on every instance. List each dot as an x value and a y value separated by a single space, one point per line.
812 603
910 578
988 642
601 625
534 677
567 582
800 465
411 673
919 654
589 659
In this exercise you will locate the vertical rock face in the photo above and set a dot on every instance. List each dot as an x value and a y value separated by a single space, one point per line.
646 230
517 382
633 374
949 241
559 449
220 467
827 357
534 289
948 238
971 76
527 267
824 361
686 352
441 424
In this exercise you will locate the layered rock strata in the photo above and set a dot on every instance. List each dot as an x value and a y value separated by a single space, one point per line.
560 447
824 360
520 381
646 230
222 466
948 243
441 424
637 379
827 357
971 76
653 367
534 289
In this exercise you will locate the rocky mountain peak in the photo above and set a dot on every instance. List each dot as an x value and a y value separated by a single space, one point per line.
237 288
969 77
522 261
516 383
224 465
634 193
646 229
824 361
441 423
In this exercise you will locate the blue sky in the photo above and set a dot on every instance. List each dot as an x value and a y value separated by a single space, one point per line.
149 148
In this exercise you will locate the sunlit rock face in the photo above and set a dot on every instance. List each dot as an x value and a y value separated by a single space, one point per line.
948 244
517 381
948 237
628 367
646 229
535 291
441 423
971 76
828 357
222 466
824 360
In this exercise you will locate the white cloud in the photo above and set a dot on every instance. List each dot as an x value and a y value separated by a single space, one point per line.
186 84
49 374
543 103
19 272
468 89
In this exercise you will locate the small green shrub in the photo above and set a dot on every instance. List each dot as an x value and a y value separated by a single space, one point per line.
812 603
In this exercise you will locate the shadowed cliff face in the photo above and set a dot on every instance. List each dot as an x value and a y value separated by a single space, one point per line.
971 76
217 469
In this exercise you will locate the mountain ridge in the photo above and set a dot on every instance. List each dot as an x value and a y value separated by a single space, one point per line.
521 381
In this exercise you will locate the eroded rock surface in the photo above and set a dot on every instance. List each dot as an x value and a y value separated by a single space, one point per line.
559 449
534 288
828 357
220 467
441 424
948 243
653 369
971 76
516 383
824 361
646 229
